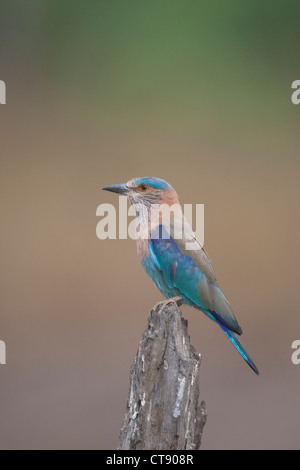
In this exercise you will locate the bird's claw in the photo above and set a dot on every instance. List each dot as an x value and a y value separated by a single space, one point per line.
176 300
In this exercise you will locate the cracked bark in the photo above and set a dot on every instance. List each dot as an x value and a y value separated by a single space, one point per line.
163 409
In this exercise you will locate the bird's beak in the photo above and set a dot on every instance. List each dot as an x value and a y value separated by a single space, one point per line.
117 188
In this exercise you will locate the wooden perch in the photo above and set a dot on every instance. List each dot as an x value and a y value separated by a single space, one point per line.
163 410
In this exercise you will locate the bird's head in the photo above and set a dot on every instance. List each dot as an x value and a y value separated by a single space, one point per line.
146 190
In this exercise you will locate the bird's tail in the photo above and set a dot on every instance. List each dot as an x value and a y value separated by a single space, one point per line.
239 347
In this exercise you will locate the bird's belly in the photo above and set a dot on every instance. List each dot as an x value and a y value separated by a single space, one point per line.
156 275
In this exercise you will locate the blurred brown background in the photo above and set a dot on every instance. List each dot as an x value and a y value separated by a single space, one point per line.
193 93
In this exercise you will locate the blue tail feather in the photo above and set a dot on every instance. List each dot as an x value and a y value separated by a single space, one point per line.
239 347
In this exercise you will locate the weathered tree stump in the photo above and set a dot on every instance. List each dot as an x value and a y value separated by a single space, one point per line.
163 410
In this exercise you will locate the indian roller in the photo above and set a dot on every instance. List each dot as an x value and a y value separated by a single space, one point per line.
182 273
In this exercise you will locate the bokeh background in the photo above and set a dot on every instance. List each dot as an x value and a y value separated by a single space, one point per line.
197 93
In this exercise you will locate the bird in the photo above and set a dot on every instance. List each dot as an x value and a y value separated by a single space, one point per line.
182 273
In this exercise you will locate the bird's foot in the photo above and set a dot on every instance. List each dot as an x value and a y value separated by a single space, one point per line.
176 300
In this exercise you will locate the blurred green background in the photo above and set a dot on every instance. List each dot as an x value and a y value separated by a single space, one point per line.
197 93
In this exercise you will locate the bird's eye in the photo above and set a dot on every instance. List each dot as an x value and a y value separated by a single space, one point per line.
143 187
